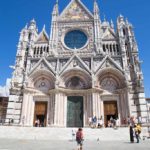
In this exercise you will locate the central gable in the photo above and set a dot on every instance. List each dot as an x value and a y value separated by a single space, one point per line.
76 11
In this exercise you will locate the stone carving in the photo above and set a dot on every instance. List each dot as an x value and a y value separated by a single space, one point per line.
75 83
43 85
75 12
109 84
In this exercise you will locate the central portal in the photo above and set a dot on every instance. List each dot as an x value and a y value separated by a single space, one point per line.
75 111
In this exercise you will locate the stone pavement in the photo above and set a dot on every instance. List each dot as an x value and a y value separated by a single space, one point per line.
32 133
31 138
71 145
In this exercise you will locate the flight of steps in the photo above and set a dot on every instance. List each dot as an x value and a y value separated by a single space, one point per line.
35 133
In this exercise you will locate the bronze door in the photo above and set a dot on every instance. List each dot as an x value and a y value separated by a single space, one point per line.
75 111
40 113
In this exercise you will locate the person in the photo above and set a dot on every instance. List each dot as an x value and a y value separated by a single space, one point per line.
94 120
79 138
90 121
117 122
98 123
111 121
108 124
131 126
36 123
101 122
131 133
128 120
137 131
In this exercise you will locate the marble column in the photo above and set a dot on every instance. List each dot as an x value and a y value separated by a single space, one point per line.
24 109
59 110
96 105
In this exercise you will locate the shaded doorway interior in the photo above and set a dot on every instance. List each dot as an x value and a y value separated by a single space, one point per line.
40 114
110 111
75 111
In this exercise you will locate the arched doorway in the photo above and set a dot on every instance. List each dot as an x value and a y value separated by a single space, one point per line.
115 106
75 82
40 82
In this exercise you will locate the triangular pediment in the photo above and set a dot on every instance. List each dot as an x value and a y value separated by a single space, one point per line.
76 10
108 62
75 62
43 37
43 64
109 35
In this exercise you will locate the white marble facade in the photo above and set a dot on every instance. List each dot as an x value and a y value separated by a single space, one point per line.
105 68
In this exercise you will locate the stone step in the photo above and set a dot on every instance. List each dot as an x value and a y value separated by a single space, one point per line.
36 133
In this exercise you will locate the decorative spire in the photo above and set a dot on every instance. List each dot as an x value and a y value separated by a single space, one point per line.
55 9
104 18
43 27
121 18
26 26
112 24
32 21
96 8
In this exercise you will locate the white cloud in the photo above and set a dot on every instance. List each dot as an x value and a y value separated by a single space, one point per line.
4 90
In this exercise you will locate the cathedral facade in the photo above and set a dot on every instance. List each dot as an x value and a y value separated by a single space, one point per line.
84 68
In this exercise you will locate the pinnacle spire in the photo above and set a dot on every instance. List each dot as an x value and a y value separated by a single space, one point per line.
55 9
44 27
112 24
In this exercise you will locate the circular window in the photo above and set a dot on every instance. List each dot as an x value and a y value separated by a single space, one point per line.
75 39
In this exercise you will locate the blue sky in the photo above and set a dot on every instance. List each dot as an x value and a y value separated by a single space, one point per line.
14 15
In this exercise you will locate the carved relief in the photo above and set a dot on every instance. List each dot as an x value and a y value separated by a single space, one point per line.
75 83
108 84
75 12
43 85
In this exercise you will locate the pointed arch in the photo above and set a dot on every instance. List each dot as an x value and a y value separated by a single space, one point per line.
68 78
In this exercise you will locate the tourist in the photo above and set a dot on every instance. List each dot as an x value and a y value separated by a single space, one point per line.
137 131
131 126
94 120
79 138
111 121
117 122
90 121
101 122
36 123
131 133
128 120
98 123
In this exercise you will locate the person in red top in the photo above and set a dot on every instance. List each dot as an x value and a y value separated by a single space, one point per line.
79 138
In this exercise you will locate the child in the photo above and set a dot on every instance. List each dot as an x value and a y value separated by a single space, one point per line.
79 138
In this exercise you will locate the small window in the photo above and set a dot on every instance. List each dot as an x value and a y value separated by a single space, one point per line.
124 32
34 50
104 49
47 49
110 48
29 37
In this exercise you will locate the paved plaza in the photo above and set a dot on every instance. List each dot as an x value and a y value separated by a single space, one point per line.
71 145
30 138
